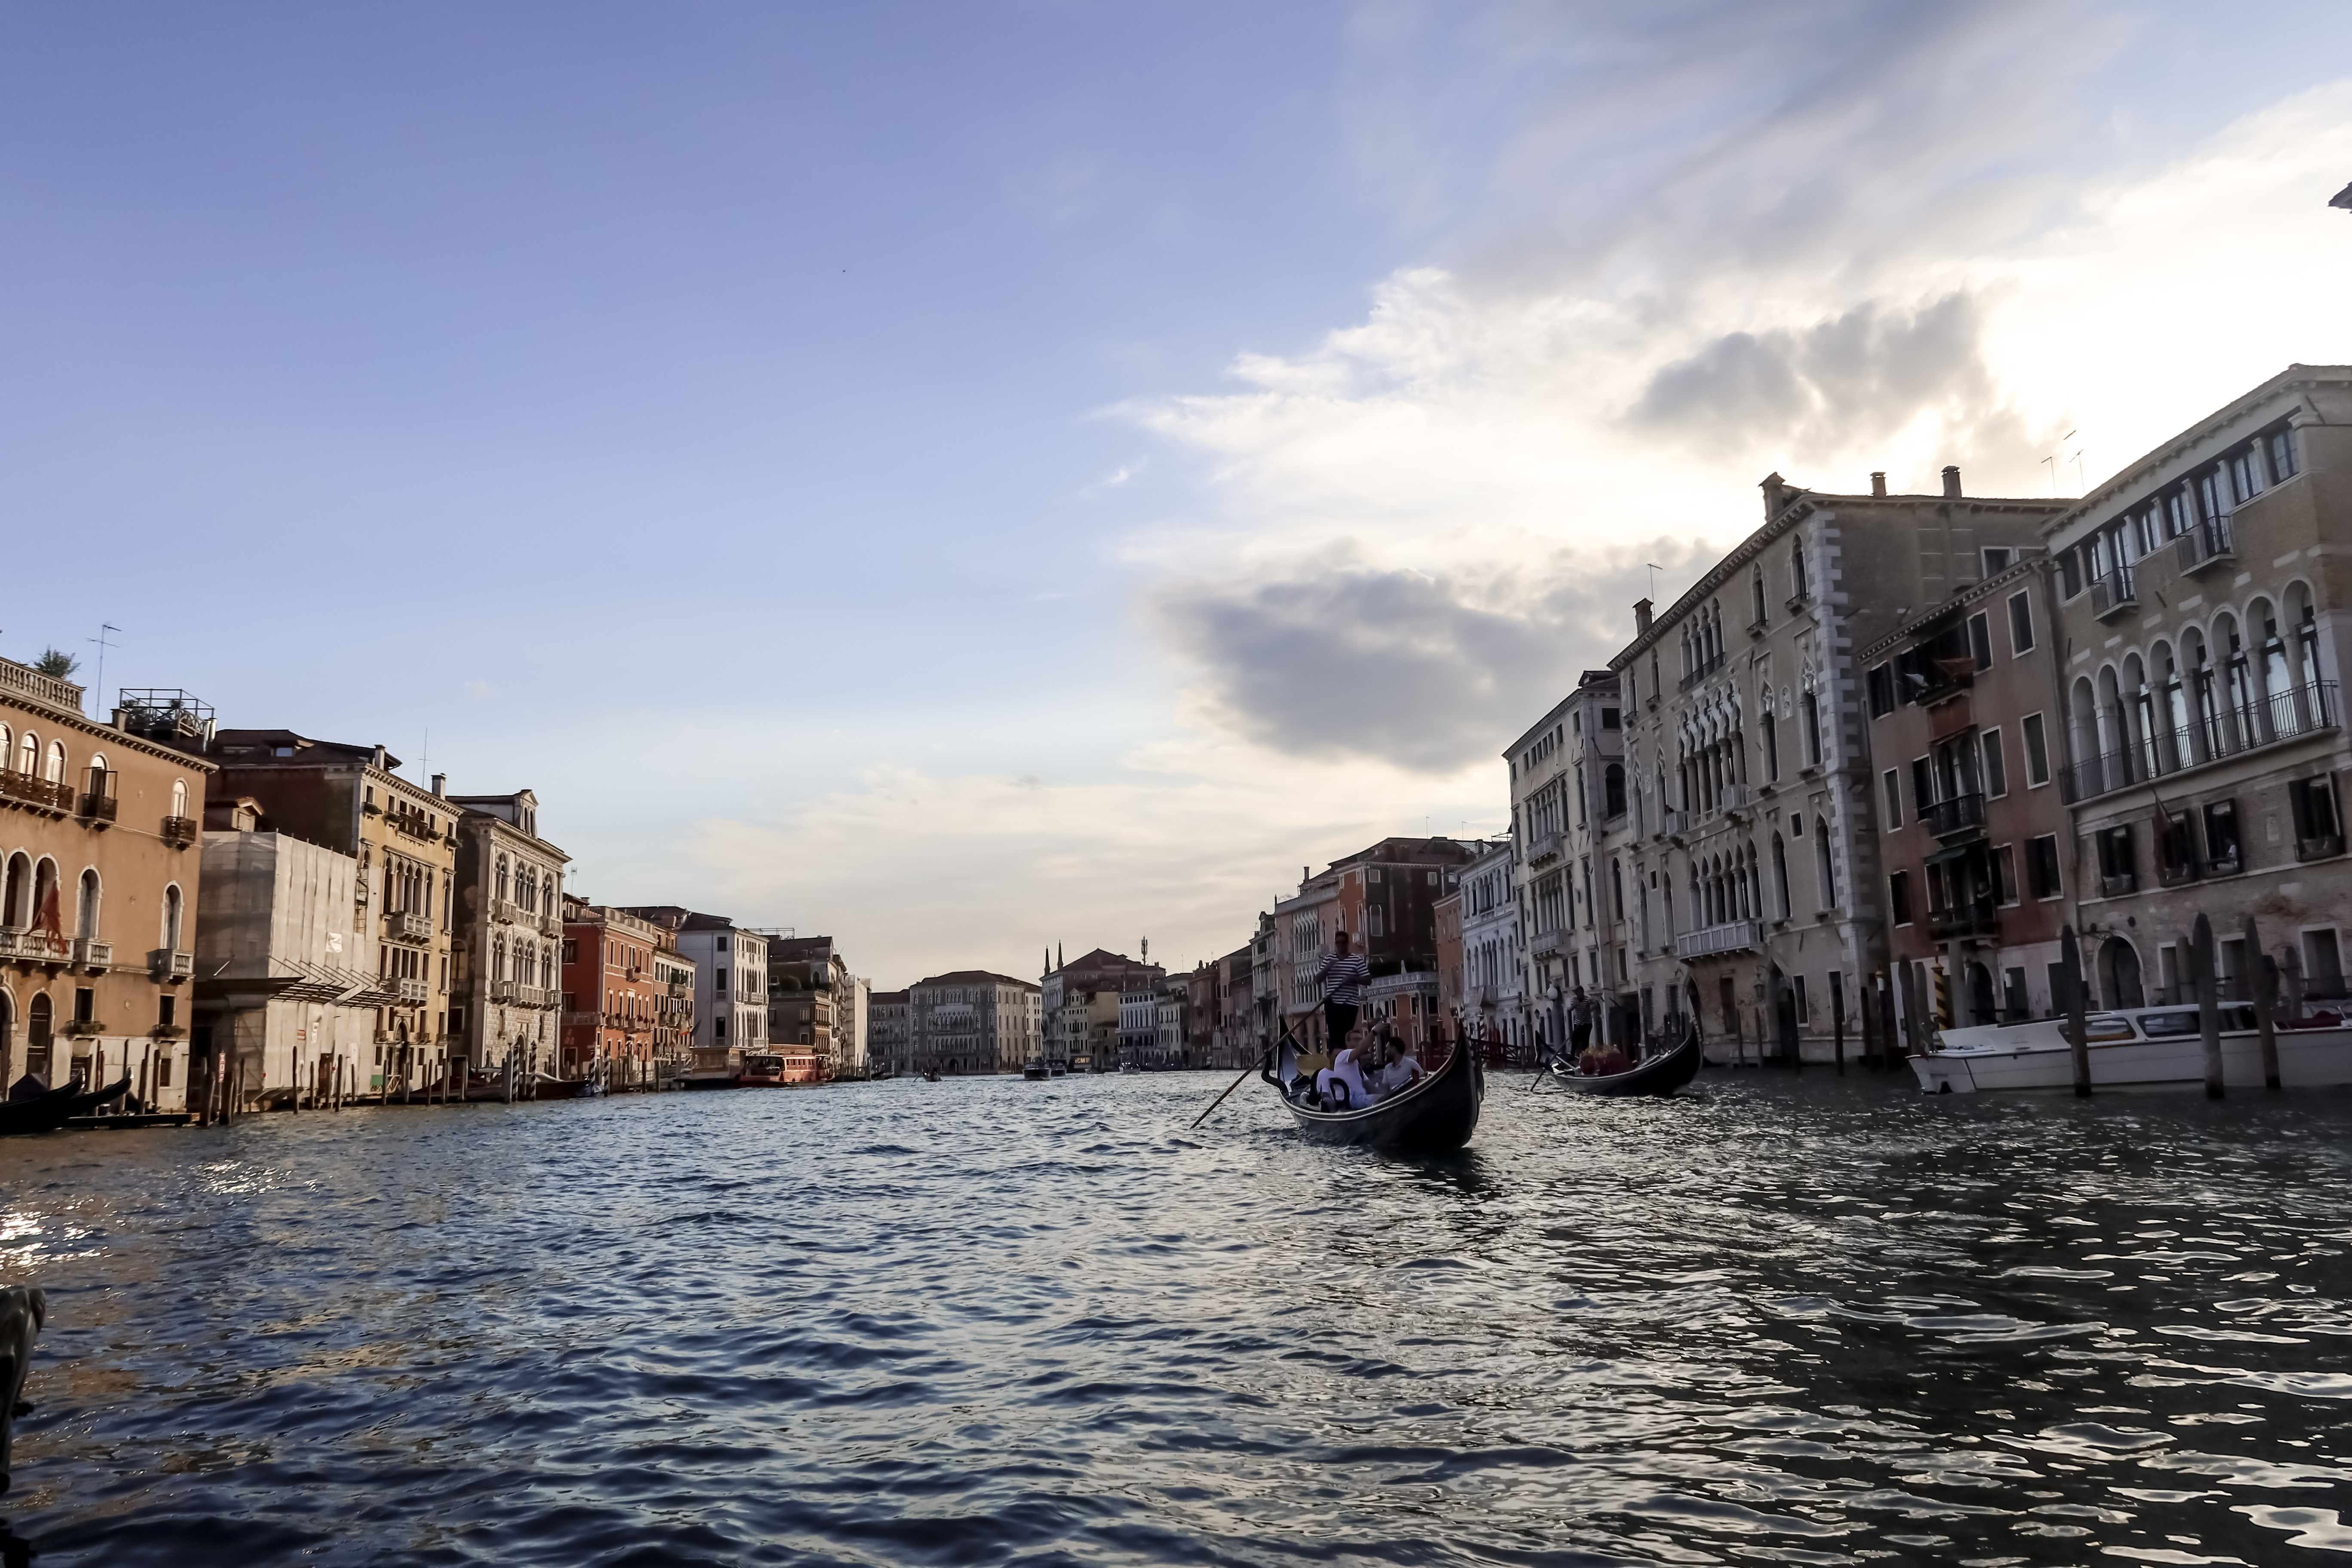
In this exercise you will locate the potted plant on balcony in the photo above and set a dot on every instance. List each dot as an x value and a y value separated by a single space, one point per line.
83 1028
168 1032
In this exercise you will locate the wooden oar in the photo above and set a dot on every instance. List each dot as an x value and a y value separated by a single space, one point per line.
1237 1082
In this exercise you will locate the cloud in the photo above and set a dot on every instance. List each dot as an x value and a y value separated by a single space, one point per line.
1427 672
1845 384
916 871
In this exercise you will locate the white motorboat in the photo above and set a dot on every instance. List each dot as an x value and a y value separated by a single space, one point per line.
2134 1048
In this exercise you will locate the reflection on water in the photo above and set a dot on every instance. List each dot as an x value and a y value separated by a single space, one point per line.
1814 1321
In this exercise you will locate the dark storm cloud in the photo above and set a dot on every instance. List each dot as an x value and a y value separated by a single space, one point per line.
1424 672
1856 378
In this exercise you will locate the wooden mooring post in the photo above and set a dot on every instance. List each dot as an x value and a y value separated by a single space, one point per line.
2078 1010
2209 1002
2264 981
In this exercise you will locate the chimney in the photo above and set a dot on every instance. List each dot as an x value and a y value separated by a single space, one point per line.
1951 482
1641 617
379 756
441 785
1775 493
1878 481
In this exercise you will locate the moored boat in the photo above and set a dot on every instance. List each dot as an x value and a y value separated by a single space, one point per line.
761 1071
1434 1115
40 1111
2132 1047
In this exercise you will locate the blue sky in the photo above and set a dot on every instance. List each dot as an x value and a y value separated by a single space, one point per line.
974 476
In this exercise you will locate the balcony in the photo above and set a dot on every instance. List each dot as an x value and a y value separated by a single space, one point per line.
26 681
583 1020
1950 818
1701 670
1543 846
1968 921
1543 944
411 992
407 925
2115 594
32 790
682 988
502 990
504 911
98 809
1736 936
179 832
2285 716
92 954
2212 543
550 926
413 824
168 964
1736 797
34 946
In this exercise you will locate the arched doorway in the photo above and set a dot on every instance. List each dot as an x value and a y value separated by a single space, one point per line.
2120 984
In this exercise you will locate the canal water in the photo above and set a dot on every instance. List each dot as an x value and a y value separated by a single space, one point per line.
1776 1320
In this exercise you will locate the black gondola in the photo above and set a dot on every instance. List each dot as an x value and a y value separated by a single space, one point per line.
47 1113
44 1112
1433 1116
1661 1074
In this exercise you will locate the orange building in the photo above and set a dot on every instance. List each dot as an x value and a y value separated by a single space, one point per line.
98 921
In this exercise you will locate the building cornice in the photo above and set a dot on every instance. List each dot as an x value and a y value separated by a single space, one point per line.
2123 485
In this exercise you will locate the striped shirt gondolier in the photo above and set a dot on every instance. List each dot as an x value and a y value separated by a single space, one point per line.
1344 979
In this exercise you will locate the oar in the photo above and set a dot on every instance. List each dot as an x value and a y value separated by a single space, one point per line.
1237 1082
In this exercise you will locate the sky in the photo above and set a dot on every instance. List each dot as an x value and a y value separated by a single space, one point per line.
968 477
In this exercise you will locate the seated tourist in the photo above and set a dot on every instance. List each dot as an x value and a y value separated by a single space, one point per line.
1341 1085
1612 1059
1401 1070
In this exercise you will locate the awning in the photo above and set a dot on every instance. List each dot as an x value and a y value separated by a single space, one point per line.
1951 852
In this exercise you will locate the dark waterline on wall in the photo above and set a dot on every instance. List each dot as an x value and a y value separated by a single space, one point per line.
1782 1321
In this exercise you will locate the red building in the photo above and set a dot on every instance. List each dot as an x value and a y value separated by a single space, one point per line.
628 998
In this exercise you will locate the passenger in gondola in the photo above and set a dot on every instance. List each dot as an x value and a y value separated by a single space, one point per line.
1611 1058
1341 1085
1400 1071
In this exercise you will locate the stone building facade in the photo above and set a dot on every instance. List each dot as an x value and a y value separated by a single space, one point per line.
2204 615
507 994
1751 844
970 1021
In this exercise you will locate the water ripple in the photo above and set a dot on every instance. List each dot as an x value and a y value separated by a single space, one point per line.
1778 1321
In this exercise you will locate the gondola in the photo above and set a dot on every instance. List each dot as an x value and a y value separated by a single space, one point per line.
43 1113
1661 1074
1434 1116
47 1113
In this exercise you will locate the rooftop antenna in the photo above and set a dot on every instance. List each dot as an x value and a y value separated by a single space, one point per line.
425 757
1655 570
103 645
2050 463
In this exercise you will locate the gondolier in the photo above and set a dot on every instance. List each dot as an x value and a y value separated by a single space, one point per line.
1580 1022
1342 975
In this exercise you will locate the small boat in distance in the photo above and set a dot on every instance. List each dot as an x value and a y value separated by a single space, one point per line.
1036 1070
930 1074
1661 1074
761 1071
2134 1048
